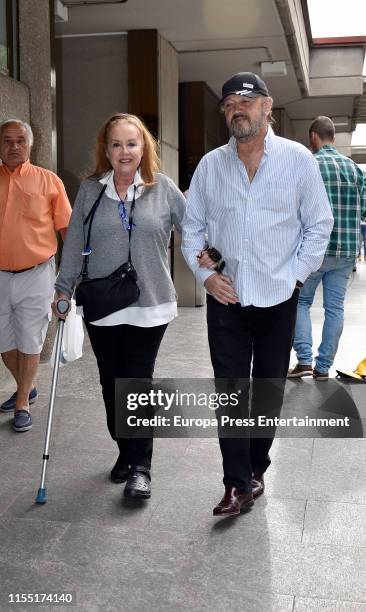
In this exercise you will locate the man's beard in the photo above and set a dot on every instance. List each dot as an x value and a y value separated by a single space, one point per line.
247 131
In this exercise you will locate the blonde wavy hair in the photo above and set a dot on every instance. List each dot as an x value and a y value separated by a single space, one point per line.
150 161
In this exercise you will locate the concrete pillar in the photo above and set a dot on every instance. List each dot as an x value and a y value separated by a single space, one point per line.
91 70
168 79
36 72
14 99
153 91
153 77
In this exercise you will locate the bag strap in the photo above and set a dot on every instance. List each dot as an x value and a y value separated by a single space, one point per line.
130 224
90 218
87 250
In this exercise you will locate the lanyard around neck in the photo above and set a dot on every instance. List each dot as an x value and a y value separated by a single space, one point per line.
90 217
126 221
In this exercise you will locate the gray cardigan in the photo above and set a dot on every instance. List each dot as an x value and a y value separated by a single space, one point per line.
156 211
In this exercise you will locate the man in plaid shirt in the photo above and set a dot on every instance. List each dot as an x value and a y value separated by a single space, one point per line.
346 188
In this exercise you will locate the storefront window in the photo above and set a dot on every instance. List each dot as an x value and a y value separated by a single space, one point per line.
9 38
3 38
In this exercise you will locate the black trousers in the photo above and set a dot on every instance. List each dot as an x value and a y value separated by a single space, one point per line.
125 351
247 341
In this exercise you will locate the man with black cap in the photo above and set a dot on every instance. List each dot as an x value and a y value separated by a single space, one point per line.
262 202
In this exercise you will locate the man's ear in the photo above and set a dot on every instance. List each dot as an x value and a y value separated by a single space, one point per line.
313 141
268 105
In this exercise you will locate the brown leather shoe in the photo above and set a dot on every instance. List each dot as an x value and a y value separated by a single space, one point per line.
257 485
233 502
299 371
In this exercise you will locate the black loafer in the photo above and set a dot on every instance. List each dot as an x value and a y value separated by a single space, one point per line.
119 471
138 483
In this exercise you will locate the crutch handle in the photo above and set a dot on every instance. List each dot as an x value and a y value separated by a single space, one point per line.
62 306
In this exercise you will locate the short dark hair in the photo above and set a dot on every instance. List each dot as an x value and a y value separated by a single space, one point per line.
324 127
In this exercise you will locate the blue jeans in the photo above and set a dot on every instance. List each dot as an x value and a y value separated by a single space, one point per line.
334 274
362 240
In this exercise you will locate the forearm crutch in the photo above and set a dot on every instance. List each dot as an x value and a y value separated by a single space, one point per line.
62 307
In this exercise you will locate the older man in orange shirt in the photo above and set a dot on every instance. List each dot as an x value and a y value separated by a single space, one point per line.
33 207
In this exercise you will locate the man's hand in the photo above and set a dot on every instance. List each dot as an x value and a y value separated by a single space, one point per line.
221 288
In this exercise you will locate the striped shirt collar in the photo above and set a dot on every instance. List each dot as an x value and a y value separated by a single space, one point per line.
268 141
111 190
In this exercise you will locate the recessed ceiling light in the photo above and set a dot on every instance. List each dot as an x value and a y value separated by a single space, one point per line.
273 69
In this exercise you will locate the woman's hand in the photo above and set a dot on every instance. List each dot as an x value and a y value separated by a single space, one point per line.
209 258
205 261
59 307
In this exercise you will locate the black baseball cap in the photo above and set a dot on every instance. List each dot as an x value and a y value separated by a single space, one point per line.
244 84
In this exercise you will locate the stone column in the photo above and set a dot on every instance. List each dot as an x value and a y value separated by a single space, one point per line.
153 91
168 82
14 99
36 71
153 79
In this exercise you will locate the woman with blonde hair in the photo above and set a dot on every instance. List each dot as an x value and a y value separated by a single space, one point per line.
137 209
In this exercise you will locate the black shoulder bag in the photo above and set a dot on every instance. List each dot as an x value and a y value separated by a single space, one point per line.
99 297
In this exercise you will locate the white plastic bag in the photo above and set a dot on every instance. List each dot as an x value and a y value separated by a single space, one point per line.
72 339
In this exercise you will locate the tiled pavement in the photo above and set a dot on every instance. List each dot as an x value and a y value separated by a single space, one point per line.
301 548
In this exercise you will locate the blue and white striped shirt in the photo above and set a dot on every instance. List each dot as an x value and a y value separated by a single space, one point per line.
271 232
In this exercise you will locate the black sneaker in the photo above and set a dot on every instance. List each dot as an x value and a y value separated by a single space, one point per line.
320 375
299 371
138 483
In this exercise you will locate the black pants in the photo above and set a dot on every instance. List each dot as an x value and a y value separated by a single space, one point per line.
125 351
241 337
